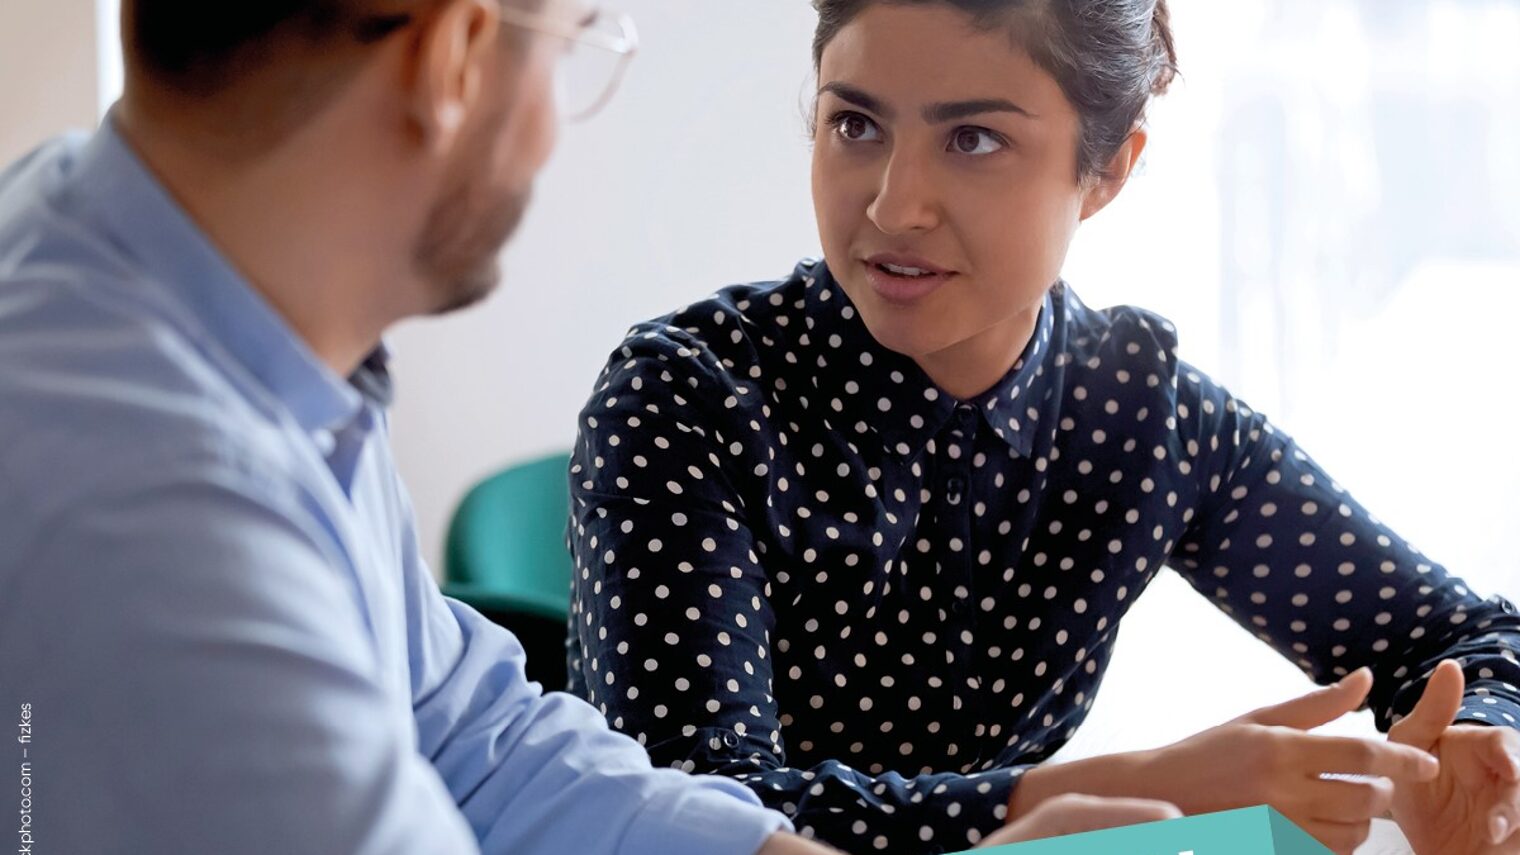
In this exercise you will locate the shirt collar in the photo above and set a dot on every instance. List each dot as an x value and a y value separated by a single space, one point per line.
114 186
1014 406
865 383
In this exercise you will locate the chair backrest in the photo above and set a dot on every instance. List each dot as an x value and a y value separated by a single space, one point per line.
508 536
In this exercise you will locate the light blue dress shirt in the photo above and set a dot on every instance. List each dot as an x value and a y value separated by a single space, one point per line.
211 594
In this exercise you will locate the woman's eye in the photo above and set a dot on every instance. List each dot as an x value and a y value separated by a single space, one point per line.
976 141
854 127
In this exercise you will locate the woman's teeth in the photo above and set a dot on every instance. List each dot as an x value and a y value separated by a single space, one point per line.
903 271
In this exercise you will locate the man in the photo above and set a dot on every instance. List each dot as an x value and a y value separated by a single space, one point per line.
211 596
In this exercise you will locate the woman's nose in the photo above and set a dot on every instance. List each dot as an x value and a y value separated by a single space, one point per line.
905 200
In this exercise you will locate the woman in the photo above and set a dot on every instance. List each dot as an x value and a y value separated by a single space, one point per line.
862 538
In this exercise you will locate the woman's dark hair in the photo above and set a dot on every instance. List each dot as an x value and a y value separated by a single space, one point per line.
1110 57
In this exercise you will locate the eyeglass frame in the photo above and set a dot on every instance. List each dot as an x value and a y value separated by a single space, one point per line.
375 29
624 46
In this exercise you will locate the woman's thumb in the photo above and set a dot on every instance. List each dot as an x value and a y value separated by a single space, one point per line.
1438 706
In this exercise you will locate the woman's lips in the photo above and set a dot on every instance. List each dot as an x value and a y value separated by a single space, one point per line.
901 289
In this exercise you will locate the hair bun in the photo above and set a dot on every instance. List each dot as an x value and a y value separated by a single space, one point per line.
1164 47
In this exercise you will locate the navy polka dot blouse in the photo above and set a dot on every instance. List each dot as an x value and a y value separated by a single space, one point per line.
801 565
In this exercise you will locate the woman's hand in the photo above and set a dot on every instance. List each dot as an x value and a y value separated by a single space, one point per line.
1265 757
1473 807
1268 757
1074 814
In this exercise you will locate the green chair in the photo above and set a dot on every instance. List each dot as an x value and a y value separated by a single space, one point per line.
506 557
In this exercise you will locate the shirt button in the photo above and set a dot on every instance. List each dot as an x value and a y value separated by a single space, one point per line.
325 441
954 487
730 739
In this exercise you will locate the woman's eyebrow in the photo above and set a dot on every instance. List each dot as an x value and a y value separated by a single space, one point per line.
936 114
851 95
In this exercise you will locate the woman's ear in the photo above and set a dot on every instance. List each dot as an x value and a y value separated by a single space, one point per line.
452 48
1115 174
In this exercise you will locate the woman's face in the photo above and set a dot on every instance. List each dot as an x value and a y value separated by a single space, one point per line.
945 181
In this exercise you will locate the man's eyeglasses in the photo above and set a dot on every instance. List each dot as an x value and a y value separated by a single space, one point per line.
600 47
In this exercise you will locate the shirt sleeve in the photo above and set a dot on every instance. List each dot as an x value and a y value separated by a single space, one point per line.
1291 556
673 614
218 689
535 772
207 682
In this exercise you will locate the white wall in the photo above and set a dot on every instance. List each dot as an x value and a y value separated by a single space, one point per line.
48 79
695 177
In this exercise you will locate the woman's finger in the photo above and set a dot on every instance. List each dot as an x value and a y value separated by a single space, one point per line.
1504 816
1316 708
1353 756
1435 710
1342 800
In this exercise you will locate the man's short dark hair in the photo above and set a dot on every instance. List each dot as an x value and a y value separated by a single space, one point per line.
200 48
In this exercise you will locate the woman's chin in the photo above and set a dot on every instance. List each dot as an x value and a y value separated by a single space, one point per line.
901 336
909 330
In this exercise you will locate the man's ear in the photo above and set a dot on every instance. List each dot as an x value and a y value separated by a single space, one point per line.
451 49
1115 174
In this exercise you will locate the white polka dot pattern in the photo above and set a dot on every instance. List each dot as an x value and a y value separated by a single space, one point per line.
800 564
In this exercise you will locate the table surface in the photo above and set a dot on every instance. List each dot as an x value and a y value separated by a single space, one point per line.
1386 839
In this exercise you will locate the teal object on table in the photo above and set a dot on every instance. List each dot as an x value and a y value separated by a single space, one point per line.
506 557
1249 831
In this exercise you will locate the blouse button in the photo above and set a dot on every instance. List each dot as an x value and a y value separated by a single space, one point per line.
954 487
730 739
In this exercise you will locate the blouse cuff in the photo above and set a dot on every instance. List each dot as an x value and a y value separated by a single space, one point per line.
1489 709
708 816
967 808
